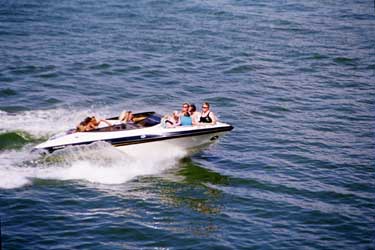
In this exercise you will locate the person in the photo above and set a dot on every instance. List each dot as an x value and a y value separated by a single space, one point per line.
127 117
167 121
207 116
90 123
82 127
171 121
195 115
185 107
185 118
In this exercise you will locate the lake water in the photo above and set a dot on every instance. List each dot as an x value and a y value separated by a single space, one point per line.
295 79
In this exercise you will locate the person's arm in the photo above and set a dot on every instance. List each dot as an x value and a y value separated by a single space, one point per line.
213 118
90 127
122 116
105 121
194 119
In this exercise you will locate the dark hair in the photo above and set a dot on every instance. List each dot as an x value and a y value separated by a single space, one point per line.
87 120
193 108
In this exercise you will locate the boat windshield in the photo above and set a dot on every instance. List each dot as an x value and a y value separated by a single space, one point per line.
142 120
149 121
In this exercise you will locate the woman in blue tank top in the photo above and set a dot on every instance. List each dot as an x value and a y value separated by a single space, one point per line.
185 118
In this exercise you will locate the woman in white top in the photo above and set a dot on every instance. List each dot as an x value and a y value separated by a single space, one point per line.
195 115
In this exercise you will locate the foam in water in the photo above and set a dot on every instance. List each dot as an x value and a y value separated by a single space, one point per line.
11 175
47 122
43 122
96 163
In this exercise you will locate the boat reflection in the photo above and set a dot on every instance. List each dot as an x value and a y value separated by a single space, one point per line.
194 188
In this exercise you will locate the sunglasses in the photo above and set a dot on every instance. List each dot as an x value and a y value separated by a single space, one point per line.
204 107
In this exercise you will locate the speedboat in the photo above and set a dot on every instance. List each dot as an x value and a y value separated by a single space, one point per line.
147 128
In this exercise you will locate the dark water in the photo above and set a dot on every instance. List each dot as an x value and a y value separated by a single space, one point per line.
295 78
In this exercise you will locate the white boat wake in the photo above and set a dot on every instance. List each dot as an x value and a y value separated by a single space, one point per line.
95 163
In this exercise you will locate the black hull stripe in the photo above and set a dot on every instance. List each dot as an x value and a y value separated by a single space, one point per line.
148 138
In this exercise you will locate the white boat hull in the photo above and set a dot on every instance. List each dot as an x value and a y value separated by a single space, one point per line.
183 137
186 144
